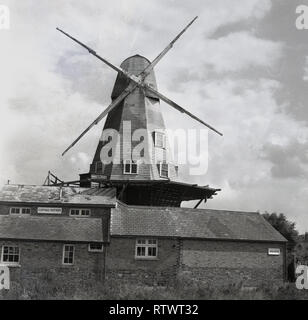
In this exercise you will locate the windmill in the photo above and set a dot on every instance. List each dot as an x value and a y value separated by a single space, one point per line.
136 101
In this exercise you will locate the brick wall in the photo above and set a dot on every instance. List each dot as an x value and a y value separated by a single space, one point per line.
215 262
42 261
220 262
121 262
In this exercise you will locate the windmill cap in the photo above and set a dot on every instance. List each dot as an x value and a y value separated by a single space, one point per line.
134 65
136 56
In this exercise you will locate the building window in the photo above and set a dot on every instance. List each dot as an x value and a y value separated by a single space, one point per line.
80 212
130 167
68 254
163 168
95 247
10 254
20 210
159 140
146 249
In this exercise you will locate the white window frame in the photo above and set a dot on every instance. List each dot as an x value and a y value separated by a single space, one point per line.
130 163
145 243
160 169
20 210
13 263
80 212
63 255
96 250
156 133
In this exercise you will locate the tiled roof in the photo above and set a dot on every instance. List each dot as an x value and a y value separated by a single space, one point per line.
52 194
51 228
191 223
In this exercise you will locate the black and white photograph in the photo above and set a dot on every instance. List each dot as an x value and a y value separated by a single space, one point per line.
153 150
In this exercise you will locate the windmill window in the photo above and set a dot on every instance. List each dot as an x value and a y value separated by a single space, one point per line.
19 210
92 167
146 249
68 254
99 167
80 212
159 140
163 169
130 167
10 255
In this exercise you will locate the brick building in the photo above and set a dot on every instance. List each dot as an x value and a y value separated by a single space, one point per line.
54 231
212 245
77 234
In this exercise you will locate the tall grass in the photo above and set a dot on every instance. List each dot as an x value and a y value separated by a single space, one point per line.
179 290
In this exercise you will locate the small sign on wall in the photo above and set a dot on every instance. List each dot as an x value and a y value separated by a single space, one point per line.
49 210
4 277
274 251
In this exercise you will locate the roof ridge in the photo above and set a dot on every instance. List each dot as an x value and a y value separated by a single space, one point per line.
149 207
184 208
231 211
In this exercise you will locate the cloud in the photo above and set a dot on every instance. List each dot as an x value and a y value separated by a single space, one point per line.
241 50
288 161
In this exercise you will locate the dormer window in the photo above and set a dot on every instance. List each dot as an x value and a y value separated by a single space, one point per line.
159 140
130 167
163 168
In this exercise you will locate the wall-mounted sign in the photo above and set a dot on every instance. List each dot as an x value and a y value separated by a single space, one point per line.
49 210
273 251
4 277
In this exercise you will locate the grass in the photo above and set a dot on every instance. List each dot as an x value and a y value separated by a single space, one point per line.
179 290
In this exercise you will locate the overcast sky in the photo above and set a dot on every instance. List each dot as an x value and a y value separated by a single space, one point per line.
242 67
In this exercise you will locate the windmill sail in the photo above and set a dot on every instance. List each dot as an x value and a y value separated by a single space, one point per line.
182 110
113 104
165 51
93 52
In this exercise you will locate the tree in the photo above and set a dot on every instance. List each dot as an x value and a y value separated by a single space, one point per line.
282 225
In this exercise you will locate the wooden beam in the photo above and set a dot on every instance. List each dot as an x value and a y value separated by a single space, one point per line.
198 204
122 191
